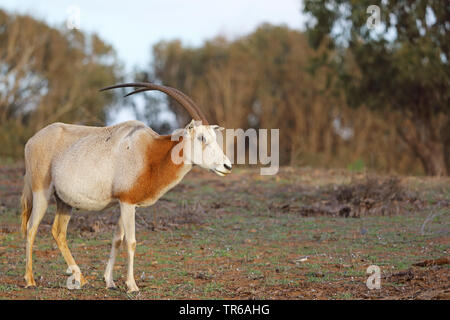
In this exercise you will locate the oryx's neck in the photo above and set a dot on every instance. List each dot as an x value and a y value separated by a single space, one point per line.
159 175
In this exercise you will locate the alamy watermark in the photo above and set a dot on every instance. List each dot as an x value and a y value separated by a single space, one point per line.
374 280
73 17
74 281
256 152
374 20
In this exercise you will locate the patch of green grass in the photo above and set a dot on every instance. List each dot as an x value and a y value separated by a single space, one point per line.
319 277
213 286
8 288
345 296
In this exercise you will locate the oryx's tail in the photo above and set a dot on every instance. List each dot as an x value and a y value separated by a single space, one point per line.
27 203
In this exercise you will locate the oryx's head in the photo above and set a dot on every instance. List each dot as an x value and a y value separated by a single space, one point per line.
201 148
200 145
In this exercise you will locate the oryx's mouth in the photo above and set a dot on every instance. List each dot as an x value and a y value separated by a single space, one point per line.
220 173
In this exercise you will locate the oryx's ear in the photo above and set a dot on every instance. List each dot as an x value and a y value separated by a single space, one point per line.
216 127
191 125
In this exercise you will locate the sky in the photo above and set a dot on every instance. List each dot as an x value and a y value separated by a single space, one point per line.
150 21
134 26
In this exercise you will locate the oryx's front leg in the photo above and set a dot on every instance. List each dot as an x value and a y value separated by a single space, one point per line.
116 243
127 213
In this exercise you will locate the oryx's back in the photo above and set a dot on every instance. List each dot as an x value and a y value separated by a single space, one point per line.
85 165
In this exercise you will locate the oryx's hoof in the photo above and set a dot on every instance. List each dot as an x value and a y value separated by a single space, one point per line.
29 280
110 285
132 287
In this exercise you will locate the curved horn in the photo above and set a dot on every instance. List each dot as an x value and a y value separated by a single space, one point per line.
176 94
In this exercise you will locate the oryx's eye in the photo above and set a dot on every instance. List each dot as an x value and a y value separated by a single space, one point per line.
201 138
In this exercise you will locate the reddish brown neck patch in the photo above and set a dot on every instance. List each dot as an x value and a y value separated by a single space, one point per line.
159 172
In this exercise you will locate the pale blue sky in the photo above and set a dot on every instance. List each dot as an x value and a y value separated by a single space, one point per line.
133 26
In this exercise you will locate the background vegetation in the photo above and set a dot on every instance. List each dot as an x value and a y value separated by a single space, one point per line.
342 95
49 75
345 98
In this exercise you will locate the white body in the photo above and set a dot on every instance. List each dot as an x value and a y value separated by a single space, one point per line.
92 167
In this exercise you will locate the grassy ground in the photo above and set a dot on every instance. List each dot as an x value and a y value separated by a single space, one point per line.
303 234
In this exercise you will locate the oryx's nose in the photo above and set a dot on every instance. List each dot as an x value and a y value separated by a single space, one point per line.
227 167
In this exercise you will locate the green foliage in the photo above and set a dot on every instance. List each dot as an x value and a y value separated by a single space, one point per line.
357 166
403 64
400 66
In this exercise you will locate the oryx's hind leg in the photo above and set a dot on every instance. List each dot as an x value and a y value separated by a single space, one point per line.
40 204
116 243
59 231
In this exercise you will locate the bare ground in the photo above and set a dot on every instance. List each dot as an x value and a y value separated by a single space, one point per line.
302 234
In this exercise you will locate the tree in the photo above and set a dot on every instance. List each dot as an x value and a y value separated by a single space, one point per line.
402 66
270 79
47 75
